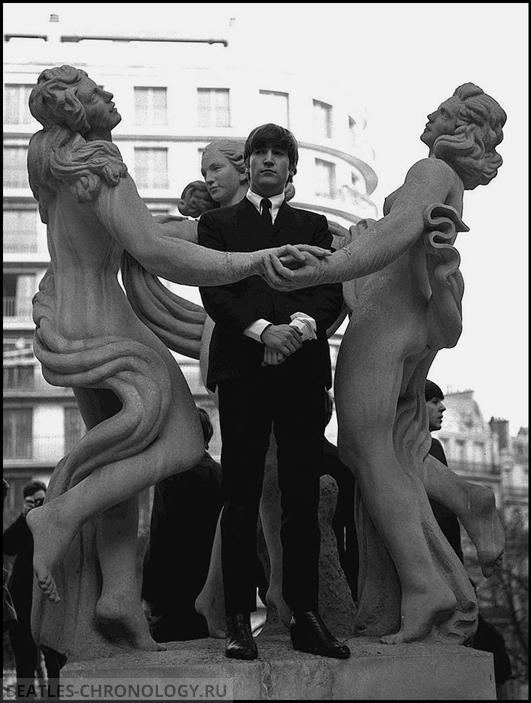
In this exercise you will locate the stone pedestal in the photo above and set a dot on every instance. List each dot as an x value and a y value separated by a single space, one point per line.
374 671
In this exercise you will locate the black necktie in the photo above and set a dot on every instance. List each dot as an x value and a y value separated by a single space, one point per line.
266 212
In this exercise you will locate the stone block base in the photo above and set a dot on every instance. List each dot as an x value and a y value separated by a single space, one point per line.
374 671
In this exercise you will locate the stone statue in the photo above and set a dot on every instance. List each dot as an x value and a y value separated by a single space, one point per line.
404 294
131 393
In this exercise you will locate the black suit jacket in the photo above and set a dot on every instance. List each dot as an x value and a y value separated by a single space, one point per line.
235 306
446 519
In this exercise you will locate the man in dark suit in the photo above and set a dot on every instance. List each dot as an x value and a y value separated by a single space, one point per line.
487 637
270 360
447 521
18 543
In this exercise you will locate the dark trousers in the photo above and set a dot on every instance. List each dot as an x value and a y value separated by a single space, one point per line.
27 660
281 398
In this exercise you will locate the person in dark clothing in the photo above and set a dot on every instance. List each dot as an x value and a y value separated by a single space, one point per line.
262 343
446 519
9 612
185 512
487 638
18 542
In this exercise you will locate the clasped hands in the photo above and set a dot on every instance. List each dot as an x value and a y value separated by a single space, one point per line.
292 266
280 341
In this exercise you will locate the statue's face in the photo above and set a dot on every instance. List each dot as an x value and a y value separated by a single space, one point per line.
442 121
101 112
222 179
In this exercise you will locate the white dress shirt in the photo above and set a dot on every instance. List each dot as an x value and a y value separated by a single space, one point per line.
300 320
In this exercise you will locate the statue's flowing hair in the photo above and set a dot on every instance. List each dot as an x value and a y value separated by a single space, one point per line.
59 153
195 200
471 150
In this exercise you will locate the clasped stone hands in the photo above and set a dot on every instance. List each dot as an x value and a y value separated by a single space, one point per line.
292 266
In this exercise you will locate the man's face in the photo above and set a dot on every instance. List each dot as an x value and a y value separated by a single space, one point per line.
436 409
268 170
35 500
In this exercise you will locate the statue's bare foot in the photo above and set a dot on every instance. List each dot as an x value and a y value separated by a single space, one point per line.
212 608
51 540
420 612
483 525
121 620
274 599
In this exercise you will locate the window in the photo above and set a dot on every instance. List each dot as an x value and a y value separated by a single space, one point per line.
74 428
325 178
460 450
479 451
9 295
16 109
18 433
18 292
151 107
20 231
322 119
274 107
213 107
19 376
15 167
151 167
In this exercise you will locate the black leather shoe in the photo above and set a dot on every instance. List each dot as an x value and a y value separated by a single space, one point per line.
309 634
240 643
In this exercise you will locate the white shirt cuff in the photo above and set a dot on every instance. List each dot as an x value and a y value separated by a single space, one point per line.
255 329
305 324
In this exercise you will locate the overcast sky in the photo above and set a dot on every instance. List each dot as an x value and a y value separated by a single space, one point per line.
400 61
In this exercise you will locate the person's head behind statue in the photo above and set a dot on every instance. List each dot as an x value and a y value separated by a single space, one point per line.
35 491
434 403
273 135
206 425
471 149
32 487
432 390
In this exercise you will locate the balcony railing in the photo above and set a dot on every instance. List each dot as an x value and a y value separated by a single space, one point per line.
27 383
474 467
21 247
14 307
39 449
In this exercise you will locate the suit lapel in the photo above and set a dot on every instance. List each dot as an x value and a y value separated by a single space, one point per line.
285 218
